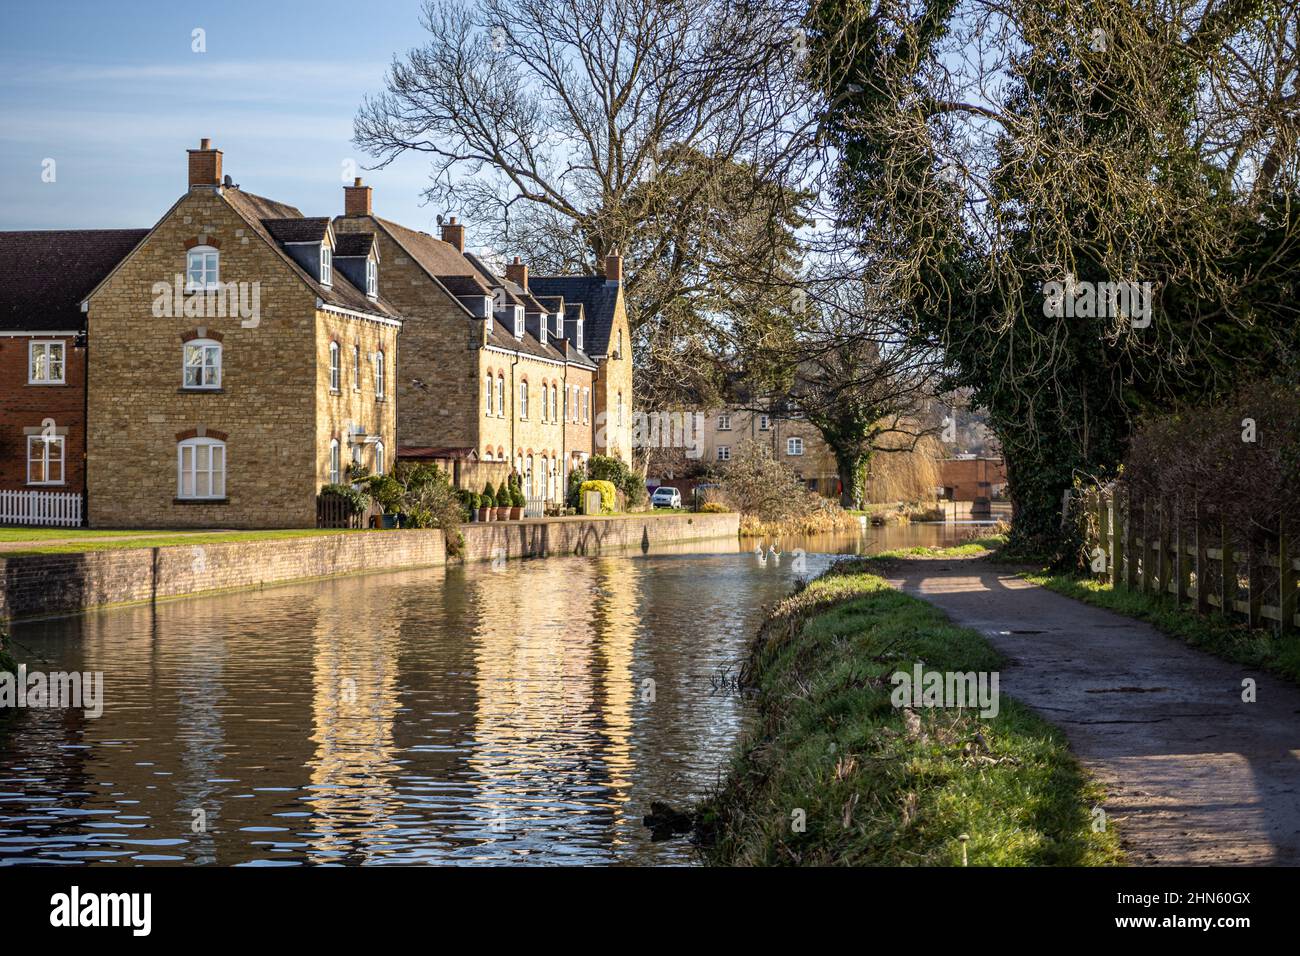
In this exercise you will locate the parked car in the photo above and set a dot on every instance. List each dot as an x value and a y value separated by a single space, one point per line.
666 498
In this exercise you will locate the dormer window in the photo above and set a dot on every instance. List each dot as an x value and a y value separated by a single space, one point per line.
372 278
202 269
326 265
519 321
577 344
541 328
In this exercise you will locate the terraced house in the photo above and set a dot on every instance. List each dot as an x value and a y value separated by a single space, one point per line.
43 278
497 373
241 356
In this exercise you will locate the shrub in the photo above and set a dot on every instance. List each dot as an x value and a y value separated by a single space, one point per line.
489 499
613 470
517 498
573 494
608 494
713 508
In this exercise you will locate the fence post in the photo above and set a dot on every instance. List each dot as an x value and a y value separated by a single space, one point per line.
1116 539
1130 543
1255 590
1228 576
1202 565
1286 581
1102 542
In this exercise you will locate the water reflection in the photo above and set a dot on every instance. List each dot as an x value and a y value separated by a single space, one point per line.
474 716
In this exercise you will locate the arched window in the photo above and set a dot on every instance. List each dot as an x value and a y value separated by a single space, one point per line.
501 395
356 366
545 402
334 462
489 393
528 477
523 399
379 374
201 364
202 269
334 366
379 458
620 409
555 403
201 469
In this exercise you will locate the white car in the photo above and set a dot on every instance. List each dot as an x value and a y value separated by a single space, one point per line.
666 498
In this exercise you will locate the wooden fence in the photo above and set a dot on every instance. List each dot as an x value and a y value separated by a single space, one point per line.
1150 547
57 508
333 511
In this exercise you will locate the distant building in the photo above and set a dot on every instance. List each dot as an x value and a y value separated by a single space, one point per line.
966 478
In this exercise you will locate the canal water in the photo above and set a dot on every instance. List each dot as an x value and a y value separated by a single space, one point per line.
526 715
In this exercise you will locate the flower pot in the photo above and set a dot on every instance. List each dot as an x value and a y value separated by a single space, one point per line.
516 512
503 514
484 514
388 521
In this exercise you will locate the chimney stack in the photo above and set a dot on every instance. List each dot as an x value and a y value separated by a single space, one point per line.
356 199
205 165
614 267
517 273
453 233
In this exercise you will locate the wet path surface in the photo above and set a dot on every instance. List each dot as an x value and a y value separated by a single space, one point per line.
1194 775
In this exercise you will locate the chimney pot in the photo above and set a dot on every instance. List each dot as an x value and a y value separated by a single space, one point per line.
205 144
454 234
614 267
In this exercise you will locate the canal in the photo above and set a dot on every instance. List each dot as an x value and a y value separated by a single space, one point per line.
527 714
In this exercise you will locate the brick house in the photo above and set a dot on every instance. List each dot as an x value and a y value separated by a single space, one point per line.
241 356
794 442
495 377
966 478
43 278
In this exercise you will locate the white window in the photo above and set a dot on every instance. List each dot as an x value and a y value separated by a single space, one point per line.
724 423
334 461
724 453
764 423
586 405
45 459
334 366
489 394
379 374
202 269
45 363
523 400
519 321
578 338
201 469
501 396
794 446
372 278
326 265
545 403
201 364
555 403
379 458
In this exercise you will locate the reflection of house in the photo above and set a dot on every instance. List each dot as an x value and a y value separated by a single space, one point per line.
965 479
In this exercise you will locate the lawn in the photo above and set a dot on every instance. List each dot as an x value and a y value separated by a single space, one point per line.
76 540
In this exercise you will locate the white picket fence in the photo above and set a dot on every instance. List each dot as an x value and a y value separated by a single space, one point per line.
534 506
59 508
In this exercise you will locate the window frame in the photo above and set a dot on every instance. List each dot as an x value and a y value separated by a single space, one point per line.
372 278
211 279
334 464
724 453
194 444
724 422
523 400
381 381
380 462
501 395
205 345
326 264
791 443
336 374
356 366
46 346
46 441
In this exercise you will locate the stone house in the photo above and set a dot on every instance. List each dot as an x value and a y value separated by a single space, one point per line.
44 276
496 377
241 356
794 442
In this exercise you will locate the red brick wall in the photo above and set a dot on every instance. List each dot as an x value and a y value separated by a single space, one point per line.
971 478
25 406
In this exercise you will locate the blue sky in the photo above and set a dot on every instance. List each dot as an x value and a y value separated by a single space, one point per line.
114 94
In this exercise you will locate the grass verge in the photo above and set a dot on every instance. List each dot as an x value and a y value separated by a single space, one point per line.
970 549
1214 634
92 542
825 739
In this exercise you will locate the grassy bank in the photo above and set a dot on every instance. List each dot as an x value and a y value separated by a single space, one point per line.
887 786
970 549
1214 634
20 542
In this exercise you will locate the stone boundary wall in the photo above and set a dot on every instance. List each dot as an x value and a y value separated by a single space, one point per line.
66 583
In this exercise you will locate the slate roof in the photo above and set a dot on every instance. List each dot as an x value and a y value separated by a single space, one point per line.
354 244
258 211
598 296
45 274
297 229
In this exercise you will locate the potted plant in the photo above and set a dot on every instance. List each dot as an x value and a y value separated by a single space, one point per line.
472 505
517 503
503 502
487 503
